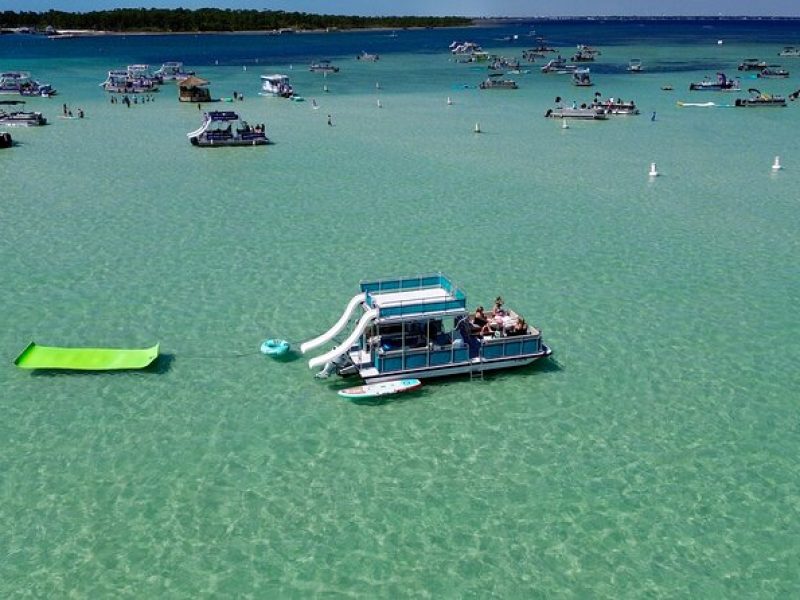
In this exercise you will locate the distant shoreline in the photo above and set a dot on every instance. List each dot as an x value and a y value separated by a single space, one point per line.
472 22
71 33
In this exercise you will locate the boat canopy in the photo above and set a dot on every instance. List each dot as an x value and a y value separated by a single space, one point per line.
222 115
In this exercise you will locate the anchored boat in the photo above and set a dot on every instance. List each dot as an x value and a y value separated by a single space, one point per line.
721 84
17 82
581 78
773 72
587 113
218 130
495 82
22 119
323 66
420 327
758 98
276 85
172 71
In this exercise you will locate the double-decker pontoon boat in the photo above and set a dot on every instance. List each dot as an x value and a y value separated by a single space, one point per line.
420 327
17 82
218 130
276 85
172 71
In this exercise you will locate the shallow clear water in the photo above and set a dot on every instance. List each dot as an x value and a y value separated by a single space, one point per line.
657 455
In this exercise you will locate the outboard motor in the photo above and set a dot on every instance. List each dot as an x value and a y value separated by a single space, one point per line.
341 365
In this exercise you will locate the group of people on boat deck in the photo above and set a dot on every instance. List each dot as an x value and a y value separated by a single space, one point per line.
499 321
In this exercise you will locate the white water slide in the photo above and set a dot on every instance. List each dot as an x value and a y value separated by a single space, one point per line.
328 335
365 321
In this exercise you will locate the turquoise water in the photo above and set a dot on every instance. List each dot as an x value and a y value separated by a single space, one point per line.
656 456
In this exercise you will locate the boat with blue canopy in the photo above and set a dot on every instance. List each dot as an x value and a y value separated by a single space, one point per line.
218 130
420 327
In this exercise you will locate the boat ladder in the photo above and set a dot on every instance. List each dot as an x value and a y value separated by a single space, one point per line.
476 371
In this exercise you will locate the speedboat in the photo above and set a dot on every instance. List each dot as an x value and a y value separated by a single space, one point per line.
218 130
172 71
790 51
18 82
635 65
367 57
773 72
758 98
584 112
276 85
420 327
581 78
494 82
721 84
752 64
22 119
323 66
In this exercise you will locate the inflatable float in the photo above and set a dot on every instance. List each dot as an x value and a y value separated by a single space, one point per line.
275 347
85 359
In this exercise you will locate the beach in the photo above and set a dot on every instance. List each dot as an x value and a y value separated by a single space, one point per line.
653 455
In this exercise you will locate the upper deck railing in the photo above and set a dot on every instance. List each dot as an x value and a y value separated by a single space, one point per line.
453 299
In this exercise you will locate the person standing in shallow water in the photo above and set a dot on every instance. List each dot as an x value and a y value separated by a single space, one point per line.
329 121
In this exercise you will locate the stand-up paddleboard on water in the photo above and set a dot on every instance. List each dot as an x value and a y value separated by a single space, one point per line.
697 104
381 389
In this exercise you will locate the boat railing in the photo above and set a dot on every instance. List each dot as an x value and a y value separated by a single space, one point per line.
457 352
413 282
452 298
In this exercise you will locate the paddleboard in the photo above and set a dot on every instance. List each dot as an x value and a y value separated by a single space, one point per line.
381 389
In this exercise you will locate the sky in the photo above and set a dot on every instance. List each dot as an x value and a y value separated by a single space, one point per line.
472 8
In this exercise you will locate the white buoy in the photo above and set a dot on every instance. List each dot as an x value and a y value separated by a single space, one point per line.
653 171
325 88
291 67
379 103
719 42
477 127
377 85
776 166
244 67
564 124
449 101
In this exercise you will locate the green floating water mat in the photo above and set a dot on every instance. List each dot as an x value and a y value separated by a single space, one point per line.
85 359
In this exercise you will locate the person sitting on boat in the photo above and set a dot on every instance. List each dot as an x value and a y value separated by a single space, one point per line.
519 328
480 323
498 310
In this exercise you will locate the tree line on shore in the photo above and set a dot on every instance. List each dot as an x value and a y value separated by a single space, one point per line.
210 19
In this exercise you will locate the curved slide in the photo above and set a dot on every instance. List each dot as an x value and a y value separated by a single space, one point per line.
365 320
328 335
85 359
